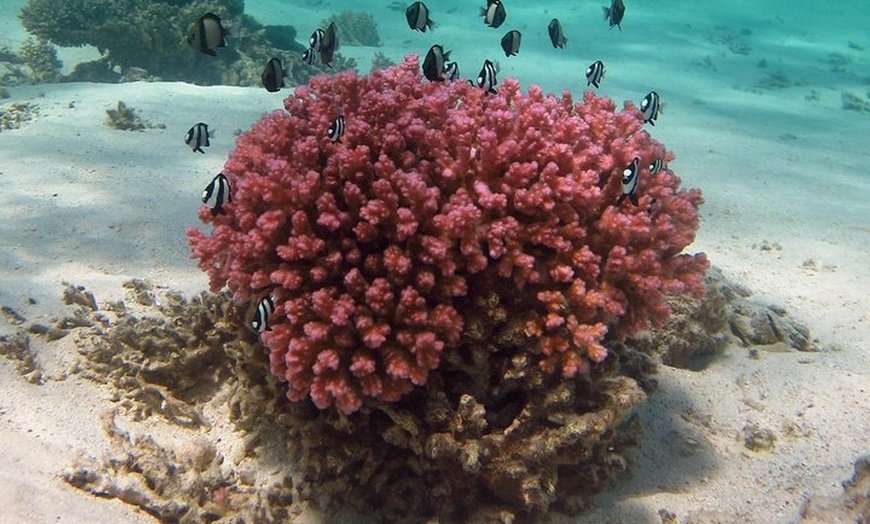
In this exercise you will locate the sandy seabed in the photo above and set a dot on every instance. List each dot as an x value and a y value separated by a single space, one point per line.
785 183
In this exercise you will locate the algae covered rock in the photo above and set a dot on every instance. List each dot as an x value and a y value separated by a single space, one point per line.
146 39
41 60
129 33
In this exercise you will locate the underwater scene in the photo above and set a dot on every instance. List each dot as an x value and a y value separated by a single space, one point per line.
444 261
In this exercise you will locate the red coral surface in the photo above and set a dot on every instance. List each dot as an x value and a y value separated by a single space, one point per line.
367 245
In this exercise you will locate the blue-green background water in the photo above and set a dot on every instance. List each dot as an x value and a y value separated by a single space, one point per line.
754 95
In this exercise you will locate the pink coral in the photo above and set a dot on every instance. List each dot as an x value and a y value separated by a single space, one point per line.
367 245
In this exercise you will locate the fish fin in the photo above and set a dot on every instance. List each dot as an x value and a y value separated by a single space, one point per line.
215 211
606 12
223 42
199 150
633 198
430 24
209 51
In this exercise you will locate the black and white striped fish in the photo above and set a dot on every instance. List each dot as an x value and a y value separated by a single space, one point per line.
216 194
510 42
417 15
557 38
494 13
308 56
198 137
655 166
435 63
594 73
451 71
629 182
486 79
264 310
316 40
614 13
649 107
336 129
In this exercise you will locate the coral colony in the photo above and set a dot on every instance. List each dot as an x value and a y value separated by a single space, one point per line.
369 248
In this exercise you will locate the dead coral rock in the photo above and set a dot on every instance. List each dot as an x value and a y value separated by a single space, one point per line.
852 506
79 295
14 316
17 349
17 114
491 438
506 453
700 329
185 483
162 357
126 118
756 438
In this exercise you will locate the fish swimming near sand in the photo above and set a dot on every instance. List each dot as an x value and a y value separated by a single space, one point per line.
198 137
273 75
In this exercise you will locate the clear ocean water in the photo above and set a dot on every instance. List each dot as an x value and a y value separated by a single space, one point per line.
766 105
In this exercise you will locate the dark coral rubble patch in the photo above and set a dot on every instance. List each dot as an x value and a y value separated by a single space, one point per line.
700 329
491 437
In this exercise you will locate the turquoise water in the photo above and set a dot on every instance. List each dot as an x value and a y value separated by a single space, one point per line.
754 110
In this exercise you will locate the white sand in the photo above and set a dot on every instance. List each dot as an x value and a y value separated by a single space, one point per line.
94 206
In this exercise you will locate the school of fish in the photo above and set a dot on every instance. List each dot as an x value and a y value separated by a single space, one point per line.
209 33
